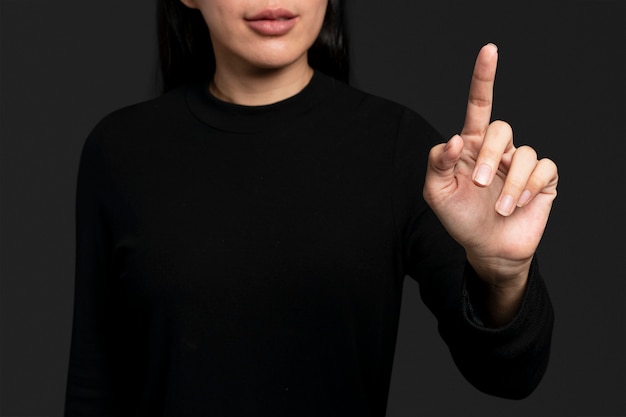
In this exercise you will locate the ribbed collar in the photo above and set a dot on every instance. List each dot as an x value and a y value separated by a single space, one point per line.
231 117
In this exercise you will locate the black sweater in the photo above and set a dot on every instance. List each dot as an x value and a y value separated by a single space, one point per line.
249 261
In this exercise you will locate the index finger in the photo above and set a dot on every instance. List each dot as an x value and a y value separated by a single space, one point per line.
479 104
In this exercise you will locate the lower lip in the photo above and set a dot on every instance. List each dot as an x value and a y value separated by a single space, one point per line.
271 27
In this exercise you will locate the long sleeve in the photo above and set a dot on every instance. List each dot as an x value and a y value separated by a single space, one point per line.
507 362
249 261
94 355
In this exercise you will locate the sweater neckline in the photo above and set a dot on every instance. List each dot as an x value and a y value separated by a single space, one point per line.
238 118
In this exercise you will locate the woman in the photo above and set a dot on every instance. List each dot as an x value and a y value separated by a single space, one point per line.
242 239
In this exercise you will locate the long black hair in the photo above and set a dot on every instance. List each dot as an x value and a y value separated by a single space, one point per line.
186 53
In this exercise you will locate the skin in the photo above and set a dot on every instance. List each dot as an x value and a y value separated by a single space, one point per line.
253 69
509 191
492 198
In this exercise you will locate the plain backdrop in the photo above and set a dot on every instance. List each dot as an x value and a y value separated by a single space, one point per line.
561 84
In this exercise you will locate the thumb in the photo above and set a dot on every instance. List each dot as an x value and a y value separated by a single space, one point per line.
443 157
440 179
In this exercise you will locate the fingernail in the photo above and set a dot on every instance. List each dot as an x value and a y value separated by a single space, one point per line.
523 199
505 205
482 175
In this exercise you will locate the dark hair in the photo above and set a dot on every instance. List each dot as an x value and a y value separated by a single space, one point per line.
186 53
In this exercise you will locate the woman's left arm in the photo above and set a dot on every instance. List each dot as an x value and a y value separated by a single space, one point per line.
492 198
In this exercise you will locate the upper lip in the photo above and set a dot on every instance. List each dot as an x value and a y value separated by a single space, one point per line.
272 14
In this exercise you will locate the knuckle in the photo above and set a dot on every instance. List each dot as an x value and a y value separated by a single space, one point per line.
516 185
533 184
527 152
489 157
549 163
479 101
501 127
550 168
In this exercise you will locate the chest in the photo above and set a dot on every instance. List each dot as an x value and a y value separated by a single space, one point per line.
230 225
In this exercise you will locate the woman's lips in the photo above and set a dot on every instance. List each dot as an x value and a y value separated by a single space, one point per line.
274 22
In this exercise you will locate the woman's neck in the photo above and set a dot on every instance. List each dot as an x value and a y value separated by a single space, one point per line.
257 87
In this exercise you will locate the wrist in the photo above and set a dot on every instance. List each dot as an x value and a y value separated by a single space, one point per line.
499 273
499 288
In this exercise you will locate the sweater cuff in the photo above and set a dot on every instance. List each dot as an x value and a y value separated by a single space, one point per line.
508 361
474 305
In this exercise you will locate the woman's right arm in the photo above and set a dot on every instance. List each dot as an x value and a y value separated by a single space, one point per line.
91 372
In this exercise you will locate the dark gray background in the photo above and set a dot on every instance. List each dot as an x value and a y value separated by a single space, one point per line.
561 84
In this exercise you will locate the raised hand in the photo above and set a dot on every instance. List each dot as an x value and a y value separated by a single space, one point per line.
493 198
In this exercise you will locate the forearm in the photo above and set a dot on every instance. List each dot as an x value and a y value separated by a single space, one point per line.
498 290
507 361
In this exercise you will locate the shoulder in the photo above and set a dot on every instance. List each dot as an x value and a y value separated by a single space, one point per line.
125 134
138 124
143 114
377 110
